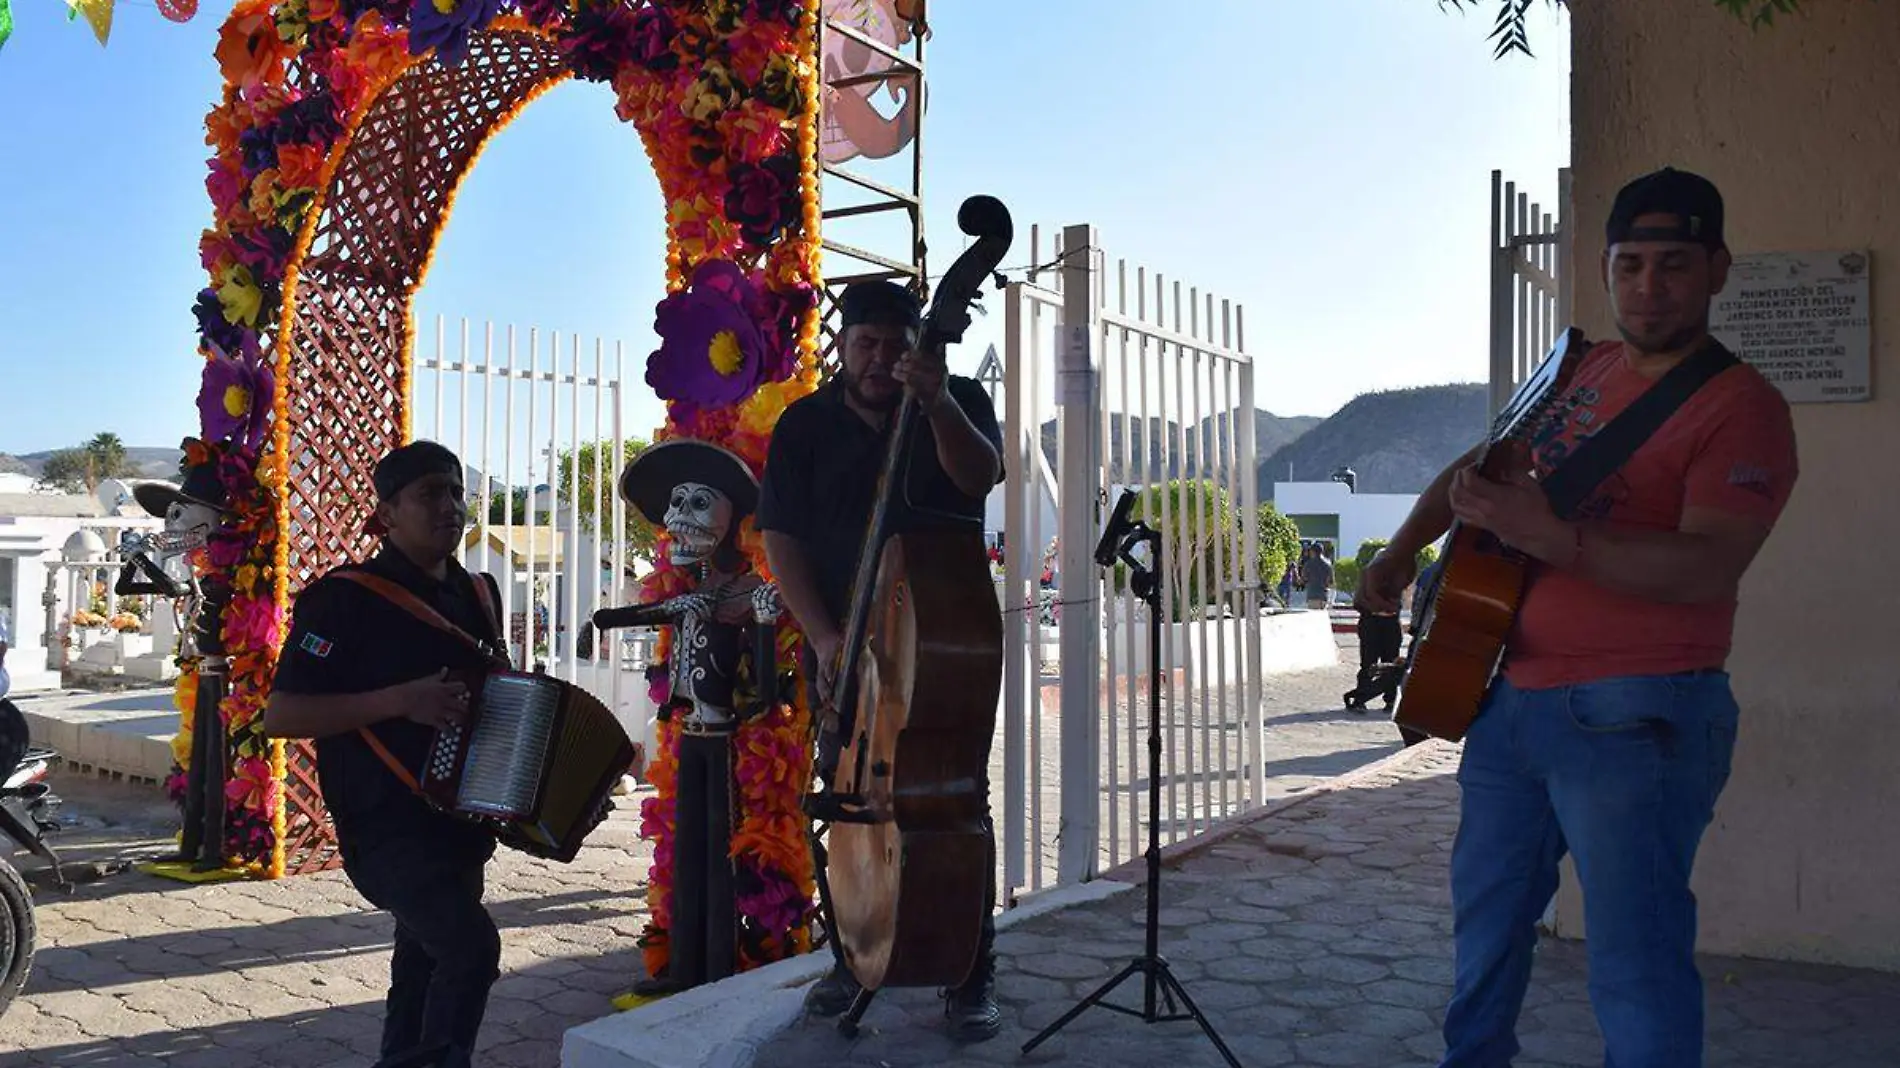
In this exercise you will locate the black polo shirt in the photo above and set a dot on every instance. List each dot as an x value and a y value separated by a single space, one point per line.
821 477
347 639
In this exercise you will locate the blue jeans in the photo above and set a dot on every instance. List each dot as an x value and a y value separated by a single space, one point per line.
1622 773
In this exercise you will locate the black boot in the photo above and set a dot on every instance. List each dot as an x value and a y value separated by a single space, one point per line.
971 1008
833 994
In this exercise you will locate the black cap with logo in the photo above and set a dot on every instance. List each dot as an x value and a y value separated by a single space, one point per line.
1691 198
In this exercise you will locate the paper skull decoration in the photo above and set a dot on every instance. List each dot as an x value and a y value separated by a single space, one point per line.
698 518
698 492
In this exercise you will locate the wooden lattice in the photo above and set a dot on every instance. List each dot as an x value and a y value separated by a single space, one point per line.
347 392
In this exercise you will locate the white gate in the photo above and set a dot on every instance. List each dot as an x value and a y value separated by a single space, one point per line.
1145 383
1530 293
536 418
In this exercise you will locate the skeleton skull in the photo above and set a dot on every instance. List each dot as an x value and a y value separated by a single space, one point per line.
697 519
188 527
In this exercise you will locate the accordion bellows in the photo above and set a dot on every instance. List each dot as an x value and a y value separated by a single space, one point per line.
538 759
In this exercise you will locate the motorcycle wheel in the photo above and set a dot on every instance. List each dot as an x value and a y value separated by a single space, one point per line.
18 932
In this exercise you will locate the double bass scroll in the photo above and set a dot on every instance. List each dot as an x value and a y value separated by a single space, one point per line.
915 707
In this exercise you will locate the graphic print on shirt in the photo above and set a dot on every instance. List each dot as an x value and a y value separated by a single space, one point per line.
1567 425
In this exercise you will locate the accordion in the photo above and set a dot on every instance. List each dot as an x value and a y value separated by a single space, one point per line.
537 760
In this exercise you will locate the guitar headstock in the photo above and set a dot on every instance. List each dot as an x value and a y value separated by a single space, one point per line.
1544 386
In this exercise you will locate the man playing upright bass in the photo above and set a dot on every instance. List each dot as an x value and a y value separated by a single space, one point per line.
821 480
1608 734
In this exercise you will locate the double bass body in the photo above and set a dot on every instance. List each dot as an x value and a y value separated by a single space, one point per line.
908 883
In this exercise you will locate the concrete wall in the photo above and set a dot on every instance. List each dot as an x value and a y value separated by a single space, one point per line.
1799 127
1362 516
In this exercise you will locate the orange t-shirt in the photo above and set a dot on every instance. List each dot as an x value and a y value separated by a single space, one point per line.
1729 448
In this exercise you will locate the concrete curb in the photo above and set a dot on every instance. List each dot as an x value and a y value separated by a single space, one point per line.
724 1024
1136 871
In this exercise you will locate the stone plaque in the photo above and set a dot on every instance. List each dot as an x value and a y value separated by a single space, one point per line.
1803 320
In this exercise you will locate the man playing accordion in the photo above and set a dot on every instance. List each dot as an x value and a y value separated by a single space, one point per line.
372 683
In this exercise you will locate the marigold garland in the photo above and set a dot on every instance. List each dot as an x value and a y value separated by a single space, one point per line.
724 94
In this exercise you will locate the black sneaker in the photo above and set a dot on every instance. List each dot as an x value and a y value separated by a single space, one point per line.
833 994
971 1011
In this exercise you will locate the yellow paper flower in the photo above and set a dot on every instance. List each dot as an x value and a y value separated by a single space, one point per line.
239 296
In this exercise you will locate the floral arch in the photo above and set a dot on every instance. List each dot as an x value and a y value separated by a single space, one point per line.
344 130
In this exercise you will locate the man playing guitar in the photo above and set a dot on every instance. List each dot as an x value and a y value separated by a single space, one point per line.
1609 731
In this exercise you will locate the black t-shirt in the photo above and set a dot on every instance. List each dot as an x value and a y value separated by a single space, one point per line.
348 639
821 477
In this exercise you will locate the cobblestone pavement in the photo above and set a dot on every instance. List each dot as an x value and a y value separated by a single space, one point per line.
1320 935
136 970
1309 739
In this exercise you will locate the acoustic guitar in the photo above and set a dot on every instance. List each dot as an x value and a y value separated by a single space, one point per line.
1466 613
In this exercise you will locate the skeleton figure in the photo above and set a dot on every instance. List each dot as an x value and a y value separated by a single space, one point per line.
162 563
725 630
700 493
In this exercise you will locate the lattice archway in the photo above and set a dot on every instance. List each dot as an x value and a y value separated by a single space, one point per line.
347 391
338 153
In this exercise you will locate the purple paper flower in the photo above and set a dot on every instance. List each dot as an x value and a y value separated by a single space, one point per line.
599 41
542 12
236 394
218 332
711 351
258 150
652 44
760 198
447 25
778 312
312 120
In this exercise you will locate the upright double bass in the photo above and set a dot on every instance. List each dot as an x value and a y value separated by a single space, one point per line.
915 708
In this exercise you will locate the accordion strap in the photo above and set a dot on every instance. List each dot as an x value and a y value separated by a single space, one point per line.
417 607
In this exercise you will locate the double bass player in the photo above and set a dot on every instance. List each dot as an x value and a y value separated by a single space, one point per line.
819 491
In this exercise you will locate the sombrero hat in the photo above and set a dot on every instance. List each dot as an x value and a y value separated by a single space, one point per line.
648 481
201 486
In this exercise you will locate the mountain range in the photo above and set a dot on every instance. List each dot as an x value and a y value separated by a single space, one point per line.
1395 441
152 462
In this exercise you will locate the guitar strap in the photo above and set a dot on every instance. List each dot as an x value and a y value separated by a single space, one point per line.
1604 452
420 609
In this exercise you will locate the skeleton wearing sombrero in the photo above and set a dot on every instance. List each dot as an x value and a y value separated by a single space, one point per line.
700 493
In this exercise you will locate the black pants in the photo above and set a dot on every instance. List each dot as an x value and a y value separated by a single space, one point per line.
448 953
704 939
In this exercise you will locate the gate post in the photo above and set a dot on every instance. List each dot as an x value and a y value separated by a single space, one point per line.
1078 393
1019 553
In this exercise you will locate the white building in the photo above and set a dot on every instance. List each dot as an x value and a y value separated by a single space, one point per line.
53 548
1330 512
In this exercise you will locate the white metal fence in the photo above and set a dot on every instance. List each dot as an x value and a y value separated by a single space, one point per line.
1148 384
1530 293
537 419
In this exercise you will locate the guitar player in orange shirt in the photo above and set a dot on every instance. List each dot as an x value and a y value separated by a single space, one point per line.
1609 731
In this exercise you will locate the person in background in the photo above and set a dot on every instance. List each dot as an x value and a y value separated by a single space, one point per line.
1319 578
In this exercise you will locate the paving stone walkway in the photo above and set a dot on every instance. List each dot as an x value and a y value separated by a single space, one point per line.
135 971
1320 935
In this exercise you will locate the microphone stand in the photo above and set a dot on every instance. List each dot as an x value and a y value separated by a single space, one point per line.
1118 542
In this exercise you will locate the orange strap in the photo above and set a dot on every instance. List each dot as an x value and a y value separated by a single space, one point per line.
415 606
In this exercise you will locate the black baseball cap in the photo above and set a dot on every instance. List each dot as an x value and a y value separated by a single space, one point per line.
418 459
880 304
1691 198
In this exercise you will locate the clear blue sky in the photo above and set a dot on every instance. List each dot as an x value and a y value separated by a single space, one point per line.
1325 164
